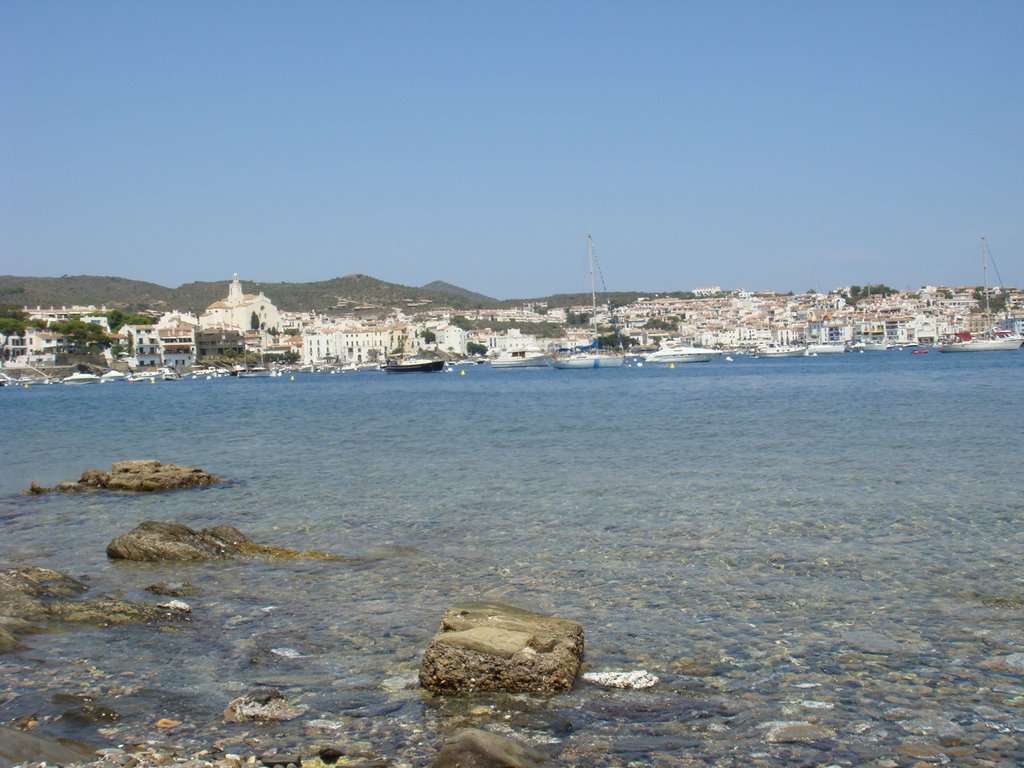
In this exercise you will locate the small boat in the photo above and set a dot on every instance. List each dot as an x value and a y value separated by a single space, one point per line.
876 346
110 376
781 350
919 351
677 352
825 349
258 372
575 360
414 365
82 378
531 357
168 374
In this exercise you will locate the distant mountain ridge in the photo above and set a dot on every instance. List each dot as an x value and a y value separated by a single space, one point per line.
338 294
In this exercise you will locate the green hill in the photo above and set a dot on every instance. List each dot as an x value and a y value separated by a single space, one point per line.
339 294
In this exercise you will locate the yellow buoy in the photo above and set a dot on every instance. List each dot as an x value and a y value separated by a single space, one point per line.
462 373
292 377
671 365
152 381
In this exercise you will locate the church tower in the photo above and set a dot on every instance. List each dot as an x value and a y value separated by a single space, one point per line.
235 292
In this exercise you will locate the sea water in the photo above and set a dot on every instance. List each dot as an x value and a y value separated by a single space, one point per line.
819 558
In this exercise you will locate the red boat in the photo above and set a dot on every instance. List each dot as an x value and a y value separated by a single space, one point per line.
919 352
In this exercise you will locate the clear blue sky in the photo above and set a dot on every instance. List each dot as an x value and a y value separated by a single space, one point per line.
765 145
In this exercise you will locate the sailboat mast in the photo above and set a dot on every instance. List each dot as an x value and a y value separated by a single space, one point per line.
984 271
593 285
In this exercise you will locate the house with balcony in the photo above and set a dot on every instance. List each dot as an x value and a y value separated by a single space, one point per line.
177 346
143 346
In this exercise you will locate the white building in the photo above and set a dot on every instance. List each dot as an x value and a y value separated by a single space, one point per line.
240 311
144 349
355 346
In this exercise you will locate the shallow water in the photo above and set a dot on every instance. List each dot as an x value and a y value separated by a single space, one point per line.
835 541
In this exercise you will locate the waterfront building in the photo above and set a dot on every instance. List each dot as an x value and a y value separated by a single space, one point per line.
177 346
36 346
218 342
143 346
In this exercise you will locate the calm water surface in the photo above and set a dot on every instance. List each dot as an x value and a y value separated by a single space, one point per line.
834 541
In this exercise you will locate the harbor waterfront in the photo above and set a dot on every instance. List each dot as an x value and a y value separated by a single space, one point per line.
818 558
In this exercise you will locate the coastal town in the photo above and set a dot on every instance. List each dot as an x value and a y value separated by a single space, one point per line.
249 327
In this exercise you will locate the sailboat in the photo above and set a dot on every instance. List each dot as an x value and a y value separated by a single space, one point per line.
993 340
256 372
590 356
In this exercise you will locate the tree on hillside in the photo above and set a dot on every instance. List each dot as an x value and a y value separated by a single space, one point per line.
117 319
476 348
82 336
12 321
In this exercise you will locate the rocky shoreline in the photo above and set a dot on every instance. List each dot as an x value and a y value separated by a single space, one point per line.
479 646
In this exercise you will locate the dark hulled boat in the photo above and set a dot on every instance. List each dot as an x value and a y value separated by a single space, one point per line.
414 365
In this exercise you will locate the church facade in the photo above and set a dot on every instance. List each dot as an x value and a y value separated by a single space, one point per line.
241 311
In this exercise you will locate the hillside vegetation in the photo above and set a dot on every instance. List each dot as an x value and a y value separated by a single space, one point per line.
340 294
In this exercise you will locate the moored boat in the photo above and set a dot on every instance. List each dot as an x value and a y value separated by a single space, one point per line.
677 352
414 365
992 340
531 357
81 378
590 355
781 350
827 348
574 360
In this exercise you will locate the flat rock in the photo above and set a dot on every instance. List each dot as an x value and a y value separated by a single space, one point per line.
30 595
106 611
494 647
1015 662
262 704
19 747
796 732
173 589
136 476
473 748
23 591
869 641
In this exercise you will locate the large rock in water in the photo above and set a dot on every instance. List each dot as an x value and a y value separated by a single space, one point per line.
152 541
495 647
138 476
474 748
